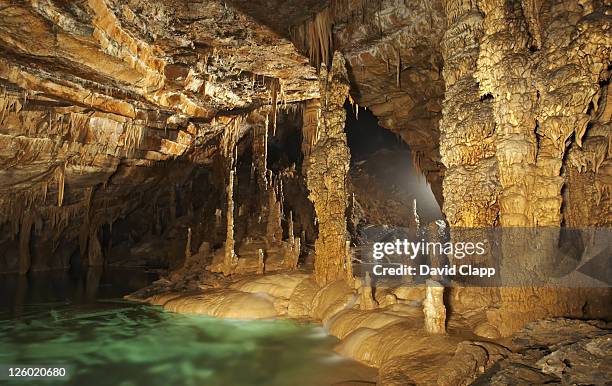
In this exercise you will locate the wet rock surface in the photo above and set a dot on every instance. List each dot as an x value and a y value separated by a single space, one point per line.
556 351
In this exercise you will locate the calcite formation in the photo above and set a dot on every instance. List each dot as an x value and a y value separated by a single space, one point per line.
102 96
326 171
208 138
434 309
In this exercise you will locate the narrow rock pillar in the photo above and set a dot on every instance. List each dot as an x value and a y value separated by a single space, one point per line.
229 257
326 166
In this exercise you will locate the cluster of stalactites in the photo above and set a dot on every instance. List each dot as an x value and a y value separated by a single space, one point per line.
315 35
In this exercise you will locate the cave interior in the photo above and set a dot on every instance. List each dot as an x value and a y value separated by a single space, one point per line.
240 147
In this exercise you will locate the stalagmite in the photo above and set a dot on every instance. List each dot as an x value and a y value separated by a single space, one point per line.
261 267
274 229
218 215
230 258
188 246
434 309
366 299
296 249
290 228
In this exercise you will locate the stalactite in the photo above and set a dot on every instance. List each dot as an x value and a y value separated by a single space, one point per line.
315 37
229 138
95 257
274 90
133 138
310 125
45 191
87 199
60 176
417 156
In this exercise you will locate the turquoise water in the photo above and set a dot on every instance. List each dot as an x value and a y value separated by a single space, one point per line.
108 341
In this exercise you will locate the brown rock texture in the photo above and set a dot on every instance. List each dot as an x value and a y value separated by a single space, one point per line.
541 87
392 49
104 102
326 173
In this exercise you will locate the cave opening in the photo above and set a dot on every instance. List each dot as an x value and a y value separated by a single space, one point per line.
382 173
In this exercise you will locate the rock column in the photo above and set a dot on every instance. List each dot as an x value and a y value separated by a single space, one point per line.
326 169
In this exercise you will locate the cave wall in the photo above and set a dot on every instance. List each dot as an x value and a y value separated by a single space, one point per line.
523 130
494 93
542 76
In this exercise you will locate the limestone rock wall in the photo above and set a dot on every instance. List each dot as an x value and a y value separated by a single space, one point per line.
467 142
525 136
542 74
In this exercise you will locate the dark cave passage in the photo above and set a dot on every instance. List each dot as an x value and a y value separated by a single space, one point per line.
383 175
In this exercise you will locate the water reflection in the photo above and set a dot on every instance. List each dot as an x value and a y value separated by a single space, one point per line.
70 287
81 322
